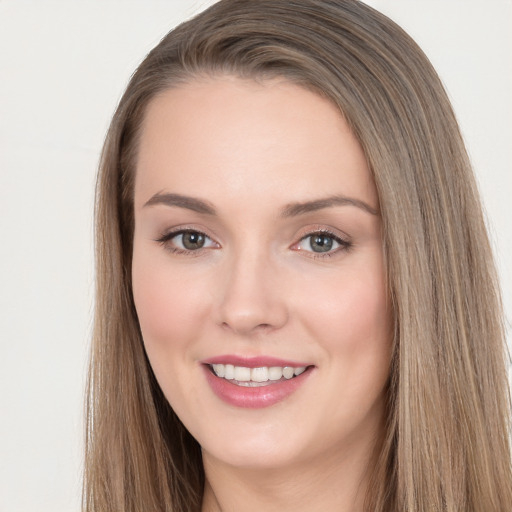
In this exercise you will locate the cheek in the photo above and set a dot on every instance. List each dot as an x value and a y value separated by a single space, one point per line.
350 318
351 323
169 305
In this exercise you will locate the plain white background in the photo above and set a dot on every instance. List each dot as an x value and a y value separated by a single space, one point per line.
63 67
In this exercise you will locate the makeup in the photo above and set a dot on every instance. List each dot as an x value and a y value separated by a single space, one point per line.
258 272
254 382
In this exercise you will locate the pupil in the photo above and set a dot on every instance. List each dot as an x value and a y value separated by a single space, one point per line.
321 243
193 240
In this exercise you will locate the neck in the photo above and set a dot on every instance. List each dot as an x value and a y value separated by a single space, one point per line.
331 484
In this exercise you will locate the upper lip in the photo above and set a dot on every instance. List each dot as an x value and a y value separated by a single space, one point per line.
253 362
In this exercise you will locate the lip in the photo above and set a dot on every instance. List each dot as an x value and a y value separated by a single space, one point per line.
253 362
254 397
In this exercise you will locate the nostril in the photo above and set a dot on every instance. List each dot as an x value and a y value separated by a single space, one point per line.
249 304
246 328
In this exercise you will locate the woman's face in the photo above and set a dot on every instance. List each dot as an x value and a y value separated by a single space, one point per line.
258 272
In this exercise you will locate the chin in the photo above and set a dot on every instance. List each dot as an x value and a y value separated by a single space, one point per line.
270 447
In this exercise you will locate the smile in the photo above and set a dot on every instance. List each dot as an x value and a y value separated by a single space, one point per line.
255 382
254 377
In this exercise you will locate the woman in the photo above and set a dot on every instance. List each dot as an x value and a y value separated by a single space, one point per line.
296 306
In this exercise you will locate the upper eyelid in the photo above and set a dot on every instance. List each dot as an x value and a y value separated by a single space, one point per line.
172 232
322 232
166 240
342 239
326 230
338 239
338 235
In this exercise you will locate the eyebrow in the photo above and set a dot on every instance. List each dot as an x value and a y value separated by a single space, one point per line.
190 203
295 209
290 210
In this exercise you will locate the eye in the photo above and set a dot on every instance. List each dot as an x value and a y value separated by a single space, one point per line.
186 240
190 240
322 243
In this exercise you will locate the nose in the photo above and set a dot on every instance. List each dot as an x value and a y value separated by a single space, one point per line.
251 297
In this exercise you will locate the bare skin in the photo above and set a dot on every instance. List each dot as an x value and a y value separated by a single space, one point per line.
258 234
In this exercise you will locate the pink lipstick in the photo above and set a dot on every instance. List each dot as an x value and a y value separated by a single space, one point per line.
254 382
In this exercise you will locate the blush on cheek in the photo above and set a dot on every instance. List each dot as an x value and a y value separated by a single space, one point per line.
168 305
355 322
369 317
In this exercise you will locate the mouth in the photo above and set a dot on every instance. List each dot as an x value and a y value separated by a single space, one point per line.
256 377
255 382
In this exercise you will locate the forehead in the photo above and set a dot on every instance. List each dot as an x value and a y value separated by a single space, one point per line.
239 138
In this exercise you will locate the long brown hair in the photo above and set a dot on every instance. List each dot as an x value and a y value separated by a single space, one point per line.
446 445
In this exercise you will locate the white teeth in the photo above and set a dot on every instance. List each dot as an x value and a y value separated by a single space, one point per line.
259 374
287 372
242 374
219 370
229 371
256 375
275 373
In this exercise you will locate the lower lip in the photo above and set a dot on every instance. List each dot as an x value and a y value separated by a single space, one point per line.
254 397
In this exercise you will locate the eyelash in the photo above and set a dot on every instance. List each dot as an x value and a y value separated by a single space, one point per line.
167 237
344 245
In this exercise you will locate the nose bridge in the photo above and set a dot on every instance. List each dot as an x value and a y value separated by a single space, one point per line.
251 297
